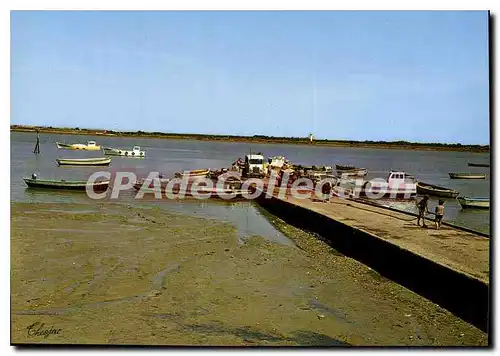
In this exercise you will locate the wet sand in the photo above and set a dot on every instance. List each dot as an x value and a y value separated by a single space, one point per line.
115 274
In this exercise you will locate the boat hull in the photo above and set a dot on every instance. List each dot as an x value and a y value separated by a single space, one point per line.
200 173
375 193
65 185
344 167
434 190
383 190
201 193
467 175
478 165
83 162
468 203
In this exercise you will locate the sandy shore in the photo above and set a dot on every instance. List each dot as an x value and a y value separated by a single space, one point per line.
116 274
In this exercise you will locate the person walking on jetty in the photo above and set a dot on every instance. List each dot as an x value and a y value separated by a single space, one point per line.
439 214
423 208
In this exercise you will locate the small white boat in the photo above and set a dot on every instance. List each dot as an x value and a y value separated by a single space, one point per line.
135 152
89 146
469 202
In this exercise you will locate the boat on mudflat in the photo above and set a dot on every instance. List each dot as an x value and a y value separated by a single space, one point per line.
34 182
99 161
435 190
89 146
467 175
470 202
478 164
135 152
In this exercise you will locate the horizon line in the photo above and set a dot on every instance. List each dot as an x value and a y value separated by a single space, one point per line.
247 136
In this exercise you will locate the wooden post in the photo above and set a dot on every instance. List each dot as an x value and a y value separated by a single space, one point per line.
37 146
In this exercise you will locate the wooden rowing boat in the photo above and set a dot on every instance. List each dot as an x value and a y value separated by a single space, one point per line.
478 203
467 175
435 190
64 184
89 146
99 161
479 164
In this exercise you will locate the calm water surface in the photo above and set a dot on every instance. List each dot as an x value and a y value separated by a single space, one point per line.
170 156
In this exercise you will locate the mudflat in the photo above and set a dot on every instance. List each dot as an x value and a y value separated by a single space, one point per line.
109 273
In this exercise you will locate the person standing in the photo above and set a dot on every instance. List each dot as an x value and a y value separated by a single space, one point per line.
37 145
423 208
439 214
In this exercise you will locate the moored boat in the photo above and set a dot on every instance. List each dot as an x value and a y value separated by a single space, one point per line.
479 164
135 152
344 167
398 185
356 172
89 146
435 190
34 182
197 173
467 175
470 202
99 161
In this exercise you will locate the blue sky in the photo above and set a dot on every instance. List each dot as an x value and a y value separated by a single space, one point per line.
360 75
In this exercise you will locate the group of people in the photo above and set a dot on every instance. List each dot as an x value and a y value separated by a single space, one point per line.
423 208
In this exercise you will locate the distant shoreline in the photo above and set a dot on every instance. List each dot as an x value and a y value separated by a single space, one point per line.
401 145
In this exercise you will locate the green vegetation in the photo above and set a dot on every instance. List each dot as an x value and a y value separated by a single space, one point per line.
259 139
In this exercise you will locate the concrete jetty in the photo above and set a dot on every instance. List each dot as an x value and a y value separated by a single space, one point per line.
449 266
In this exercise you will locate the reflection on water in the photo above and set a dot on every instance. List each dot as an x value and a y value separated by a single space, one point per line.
170 156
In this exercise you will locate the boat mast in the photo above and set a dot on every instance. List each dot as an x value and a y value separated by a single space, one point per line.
314 95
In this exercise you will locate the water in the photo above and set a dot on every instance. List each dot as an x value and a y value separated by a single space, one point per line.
170 156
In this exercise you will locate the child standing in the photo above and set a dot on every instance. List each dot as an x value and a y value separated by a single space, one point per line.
439 214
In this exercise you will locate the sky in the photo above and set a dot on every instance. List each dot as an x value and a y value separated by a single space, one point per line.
350 75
